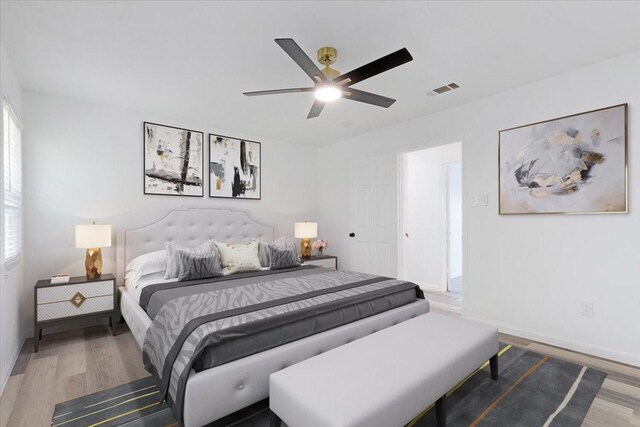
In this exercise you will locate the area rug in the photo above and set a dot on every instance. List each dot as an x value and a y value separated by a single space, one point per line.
533 390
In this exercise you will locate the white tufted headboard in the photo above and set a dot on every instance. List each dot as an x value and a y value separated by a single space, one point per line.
190 227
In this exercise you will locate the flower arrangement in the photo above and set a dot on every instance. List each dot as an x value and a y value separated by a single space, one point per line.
320 245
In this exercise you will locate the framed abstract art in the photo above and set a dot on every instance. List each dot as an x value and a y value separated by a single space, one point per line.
173 161
572 164
234 168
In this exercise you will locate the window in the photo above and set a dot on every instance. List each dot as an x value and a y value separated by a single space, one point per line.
12 183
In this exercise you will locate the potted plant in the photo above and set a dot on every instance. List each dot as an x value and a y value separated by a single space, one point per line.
320 246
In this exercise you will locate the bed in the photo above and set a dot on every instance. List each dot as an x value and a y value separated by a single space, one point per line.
218 385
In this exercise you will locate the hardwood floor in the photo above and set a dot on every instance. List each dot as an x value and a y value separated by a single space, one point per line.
68 365
76 363
444 301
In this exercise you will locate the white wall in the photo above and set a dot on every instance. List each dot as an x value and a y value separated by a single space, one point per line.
526 274
84 162
423 185
11 289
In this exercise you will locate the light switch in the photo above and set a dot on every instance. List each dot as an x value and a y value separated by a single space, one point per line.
479 200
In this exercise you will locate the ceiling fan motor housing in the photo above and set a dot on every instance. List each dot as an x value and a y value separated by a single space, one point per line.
326 56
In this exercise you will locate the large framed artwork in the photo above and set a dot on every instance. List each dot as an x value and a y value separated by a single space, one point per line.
572 164
234 168
173 161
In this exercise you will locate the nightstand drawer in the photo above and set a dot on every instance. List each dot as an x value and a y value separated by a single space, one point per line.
64 293
62 309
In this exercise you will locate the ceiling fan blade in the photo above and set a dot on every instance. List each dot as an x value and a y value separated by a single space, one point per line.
303 61
367 97
374 68
279 91
316 109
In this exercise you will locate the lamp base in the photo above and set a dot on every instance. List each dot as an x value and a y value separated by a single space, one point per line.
93 263
305 248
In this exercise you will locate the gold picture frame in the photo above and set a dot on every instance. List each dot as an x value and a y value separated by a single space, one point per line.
575 164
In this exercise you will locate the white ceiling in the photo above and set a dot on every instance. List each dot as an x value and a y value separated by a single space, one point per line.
192 60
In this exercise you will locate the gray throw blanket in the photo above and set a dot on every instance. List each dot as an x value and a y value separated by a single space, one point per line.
300 303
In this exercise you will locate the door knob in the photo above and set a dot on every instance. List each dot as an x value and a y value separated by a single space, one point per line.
352 234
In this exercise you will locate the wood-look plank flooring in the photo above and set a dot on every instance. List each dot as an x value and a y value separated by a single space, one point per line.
76 363
444 301
68 365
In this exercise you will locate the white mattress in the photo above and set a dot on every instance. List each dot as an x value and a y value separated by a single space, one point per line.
136 284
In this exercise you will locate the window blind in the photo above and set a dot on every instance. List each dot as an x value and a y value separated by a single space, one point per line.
12 183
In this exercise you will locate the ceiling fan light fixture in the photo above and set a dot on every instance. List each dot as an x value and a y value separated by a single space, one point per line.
328 93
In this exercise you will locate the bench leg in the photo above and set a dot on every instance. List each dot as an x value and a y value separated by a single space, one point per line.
441 411
274 420
493 362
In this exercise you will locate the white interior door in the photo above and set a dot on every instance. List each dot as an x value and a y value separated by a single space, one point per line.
373 215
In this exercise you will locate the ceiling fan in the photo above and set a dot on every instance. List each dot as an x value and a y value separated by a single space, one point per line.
329 84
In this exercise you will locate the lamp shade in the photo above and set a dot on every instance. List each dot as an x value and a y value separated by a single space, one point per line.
93 236
306 230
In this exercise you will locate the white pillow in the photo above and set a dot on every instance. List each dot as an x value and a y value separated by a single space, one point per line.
239 257
149 263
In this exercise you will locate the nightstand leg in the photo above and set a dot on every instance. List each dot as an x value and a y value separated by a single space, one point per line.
37 336
113 329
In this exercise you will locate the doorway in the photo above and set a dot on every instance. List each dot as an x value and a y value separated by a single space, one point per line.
453 193
431 219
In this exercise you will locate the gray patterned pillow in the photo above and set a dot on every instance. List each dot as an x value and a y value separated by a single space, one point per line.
173 263
264 250
284 257
264 253
193 266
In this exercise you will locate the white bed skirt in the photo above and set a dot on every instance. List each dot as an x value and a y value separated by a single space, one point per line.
217 392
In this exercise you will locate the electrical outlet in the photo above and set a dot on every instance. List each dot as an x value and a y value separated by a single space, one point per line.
484 199
474 201
587 308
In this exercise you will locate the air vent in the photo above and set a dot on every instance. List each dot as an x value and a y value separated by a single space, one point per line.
442 89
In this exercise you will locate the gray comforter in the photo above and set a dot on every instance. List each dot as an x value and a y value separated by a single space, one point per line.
201 324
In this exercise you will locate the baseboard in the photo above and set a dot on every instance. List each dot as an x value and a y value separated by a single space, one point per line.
627 359
5 377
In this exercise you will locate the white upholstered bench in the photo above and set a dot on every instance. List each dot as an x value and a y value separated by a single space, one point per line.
384 379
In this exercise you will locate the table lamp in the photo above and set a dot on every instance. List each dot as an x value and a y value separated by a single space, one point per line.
93 237
306 231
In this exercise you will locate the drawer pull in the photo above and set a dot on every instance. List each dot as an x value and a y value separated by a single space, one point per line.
78 299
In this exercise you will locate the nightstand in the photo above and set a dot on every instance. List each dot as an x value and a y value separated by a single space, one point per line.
326 261
64 303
